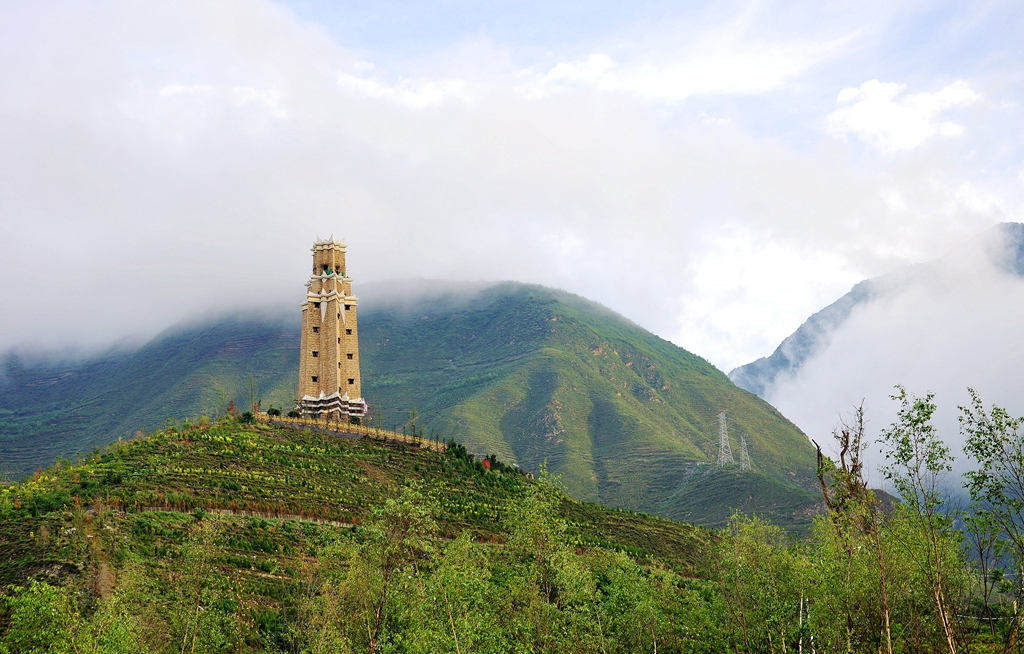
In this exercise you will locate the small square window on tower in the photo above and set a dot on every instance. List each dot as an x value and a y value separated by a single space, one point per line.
316 330
339 340
347 307
315 353
316 304
351 380
349 355
348 332
339 364
314 378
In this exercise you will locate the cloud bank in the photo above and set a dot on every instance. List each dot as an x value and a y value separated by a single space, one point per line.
936 328
691 171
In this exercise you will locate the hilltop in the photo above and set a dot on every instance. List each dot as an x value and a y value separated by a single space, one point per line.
528 373
223 531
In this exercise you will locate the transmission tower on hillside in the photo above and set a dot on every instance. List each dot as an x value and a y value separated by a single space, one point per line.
744 455
724 449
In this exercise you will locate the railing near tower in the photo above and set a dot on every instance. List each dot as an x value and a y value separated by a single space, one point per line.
344 428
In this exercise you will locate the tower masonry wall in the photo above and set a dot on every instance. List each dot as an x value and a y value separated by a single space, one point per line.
331 332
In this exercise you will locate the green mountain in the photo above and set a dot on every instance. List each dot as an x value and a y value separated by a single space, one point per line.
528 373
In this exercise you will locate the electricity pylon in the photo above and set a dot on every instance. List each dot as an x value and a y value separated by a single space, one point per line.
724 449
744 456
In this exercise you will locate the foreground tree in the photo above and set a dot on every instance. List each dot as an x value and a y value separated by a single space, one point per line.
918 459
853 530
995 442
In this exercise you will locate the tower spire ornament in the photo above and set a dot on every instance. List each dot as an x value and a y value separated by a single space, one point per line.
329 382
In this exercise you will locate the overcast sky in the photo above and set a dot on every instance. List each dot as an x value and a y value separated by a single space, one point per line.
714 171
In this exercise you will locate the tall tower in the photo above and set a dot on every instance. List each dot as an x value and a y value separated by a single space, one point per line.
329 381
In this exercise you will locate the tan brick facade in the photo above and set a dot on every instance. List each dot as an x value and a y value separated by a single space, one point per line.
329 347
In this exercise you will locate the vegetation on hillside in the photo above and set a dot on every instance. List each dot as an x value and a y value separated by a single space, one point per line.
528 373
235 536
249 537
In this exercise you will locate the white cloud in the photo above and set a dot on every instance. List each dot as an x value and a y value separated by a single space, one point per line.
883 115
720 69
955 327
230 134
412 93
593 69
749 291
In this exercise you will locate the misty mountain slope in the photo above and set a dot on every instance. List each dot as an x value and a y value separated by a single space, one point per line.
938 327
1002 246
529 373
55 410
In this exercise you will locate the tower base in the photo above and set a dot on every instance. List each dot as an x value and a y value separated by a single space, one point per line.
339 405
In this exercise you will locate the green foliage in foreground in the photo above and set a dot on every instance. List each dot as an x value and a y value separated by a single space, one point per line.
239 537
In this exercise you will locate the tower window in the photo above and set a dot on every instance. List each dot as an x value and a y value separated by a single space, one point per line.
347 306
315 378
351 380
349 355
316 330
348 332
339 364
339 340
339 316
316 305
315 353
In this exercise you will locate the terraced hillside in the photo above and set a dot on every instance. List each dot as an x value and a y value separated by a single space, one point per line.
245 521
528 373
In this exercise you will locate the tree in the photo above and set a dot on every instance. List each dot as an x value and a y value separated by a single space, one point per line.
984 538
756 573
853 514
918 459
398 539
994 441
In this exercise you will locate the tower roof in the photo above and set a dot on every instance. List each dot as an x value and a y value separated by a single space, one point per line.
323 244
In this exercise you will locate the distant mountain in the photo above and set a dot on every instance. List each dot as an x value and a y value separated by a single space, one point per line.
1002 246
531 374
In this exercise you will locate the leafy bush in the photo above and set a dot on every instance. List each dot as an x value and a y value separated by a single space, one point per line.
294 414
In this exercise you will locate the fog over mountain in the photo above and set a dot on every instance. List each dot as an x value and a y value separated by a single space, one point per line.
715 171
939 327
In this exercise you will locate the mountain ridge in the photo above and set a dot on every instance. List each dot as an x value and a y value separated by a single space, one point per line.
534 375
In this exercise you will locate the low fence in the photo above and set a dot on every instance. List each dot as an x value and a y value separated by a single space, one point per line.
348 429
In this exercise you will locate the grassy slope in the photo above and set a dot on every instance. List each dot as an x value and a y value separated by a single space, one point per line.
143 492
627 418
525 372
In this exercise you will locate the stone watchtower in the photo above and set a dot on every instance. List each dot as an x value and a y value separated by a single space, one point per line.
329 352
